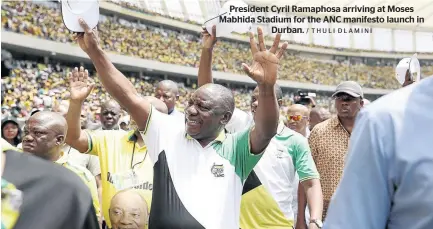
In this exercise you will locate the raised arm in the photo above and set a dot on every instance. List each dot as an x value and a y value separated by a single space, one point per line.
264 71
80 88
205 68
116 84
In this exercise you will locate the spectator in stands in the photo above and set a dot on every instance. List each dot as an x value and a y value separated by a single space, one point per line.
139 40
11 131
44 136
329 140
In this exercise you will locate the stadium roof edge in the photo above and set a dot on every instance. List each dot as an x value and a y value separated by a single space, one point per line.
111 8
64 51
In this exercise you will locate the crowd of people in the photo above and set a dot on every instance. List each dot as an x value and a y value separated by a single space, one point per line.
130 38
33 85
118 150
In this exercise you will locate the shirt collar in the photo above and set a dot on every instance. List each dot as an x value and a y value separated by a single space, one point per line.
116 127
221 137
64 157
335 122
280 127
131 135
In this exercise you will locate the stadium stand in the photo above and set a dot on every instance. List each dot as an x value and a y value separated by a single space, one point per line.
52 86
169 46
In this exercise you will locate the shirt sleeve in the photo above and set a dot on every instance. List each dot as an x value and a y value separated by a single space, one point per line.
93 166
304 163
158 130
95 139
363 197
244 159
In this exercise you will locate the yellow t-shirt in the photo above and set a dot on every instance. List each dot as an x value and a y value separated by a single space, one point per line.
88 179
118 153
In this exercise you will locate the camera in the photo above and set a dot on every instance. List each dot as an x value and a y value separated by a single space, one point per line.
305 98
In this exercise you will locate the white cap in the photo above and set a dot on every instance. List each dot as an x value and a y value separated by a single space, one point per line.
224 29
411 64
72 10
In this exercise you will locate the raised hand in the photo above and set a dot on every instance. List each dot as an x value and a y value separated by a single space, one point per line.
80 86
88 41
265 62
209 40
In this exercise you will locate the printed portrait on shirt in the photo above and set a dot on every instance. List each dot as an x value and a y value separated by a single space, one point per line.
128 209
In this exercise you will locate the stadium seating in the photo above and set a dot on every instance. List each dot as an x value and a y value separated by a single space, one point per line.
169 46
52 86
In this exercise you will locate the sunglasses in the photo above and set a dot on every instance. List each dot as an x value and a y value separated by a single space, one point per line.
344 97
296 118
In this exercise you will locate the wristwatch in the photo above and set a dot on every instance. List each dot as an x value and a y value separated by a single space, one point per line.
318 222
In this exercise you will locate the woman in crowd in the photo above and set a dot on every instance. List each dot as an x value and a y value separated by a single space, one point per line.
11 131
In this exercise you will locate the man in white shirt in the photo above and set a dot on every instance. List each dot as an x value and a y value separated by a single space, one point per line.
199 170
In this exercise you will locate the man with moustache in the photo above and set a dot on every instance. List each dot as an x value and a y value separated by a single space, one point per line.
271 188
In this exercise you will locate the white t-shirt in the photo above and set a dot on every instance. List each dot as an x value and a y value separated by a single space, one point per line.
240 121
196 186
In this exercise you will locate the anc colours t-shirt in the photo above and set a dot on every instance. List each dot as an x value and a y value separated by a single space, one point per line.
124 164
196 186
268 199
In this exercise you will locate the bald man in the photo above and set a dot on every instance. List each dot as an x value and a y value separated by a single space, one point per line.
168 92
298 119
44 137
318 115
128 209
110 115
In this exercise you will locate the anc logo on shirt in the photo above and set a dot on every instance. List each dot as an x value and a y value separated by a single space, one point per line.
217 170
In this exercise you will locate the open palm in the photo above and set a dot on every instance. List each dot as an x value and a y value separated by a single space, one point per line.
265 62
209 39
80 87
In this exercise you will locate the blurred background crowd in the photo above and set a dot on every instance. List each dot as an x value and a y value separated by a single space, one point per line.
37 84
166 45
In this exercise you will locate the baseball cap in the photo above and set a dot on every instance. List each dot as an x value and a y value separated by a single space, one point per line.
73 10
349 87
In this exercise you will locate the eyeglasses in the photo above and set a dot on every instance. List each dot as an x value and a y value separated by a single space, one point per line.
296 118
344 97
